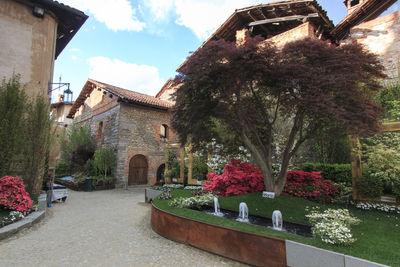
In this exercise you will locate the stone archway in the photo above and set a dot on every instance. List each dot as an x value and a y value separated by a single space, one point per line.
160 173
138 169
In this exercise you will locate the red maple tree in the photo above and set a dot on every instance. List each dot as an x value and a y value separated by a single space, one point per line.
249 88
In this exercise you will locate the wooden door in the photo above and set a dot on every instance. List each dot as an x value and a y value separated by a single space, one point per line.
138 170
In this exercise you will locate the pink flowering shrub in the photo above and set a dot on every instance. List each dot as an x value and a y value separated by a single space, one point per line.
309 185
237 179
13 195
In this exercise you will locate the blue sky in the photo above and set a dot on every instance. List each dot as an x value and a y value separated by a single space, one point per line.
138 44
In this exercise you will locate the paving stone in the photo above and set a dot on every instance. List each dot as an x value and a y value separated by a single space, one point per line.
101 228
300 255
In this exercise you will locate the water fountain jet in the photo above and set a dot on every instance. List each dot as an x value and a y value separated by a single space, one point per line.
217 211
277 221
243 213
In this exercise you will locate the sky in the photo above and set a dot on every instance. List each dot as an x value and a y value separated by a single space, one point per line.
138 44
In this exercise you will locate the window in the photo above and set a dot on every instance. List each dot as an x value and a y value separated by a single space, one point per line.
164 131
354 2
100 131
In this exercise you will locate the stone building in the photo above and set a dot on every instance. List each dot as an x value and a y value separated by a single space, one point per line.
380 35
134 125
32 35
286 21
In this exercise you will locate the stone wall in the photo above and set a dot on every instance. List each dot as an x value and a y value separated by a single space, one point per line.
27 46
382 37
139 133
298 33
100 114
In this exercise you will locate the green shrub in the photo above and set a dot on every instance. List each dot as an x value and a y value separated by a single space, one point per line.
12 104
63 169
104 161
77 146
383 162
101 180
200 168
370 186
90 170
338 173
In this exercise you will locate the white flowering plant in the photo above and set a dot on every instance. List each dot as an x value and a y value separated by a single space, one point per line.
173 186
12 217
377 206
192 202
220 159
333 226
193 187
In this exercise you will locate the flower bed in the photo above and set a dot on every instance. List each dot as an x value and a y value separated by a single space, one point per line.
13 216
377 231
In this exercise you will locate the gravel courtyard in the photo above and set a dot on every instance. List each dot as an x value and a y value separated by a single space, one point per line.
102 228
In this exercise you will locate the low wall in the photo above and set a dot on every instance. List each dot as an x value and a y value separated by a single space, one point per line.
26 222
242 246
253 249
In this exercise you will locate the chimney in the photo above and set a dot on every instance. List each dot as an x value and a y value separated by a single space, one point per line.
352 5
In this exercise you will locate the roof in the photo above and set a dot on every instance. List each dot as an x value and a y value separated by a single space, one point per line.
69 20
166 86
272 19
368 10
123 95
170 84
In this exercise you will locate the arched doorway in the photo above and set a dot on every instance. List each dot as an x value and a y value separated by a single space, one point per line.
138 170
160 173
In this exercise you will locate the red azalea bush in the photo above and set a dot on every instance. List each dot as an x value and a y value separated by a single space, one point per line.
237 179
309 185
13 195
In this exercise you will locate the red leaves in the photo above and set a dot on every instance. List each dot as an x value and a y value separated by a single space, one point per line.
309 185
243 178
13 195
238 179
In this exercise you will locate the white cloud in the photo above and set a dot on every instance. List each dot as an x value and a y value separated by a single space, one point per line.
159 8
115 14
140 78
203 17
74 58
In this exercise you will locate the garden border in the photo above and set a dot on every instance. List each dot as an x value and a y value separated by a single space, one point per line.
250 248
26 222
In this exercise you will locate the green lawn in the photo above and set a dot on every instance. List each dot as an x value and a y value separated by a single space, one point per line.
378 235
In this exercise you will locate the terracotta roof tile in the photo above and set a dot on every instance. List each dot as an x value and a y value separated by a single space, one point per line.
133 97
124 94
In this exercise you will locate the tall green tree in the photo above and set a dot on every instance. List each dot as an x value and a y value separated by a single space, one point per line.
104 161
309 84
37 139
12 104
77 146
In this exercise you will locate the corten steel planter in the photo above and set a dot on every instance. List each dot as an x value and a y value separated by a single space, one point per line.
242 246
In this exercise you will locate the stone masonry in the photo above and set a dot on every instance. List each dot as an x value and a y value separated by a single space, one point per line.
139 133
382 37
129 129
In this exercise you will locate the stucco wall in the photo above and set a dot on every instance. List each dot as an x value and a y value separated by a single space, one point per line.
382 37
27 46
139 133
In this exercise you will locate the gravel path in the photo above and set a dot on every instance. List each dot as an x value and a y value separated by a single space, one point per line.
102 228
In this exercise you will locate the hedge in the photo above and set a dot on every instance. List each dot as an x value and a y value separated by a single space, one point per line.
338 173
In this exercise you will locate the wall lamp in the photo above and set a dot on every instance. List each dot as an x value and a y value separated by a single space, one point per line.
38 11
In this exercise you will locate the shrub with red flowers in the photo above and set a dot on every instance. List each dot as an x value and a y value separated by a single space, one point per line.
309 185
237 179
13 195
